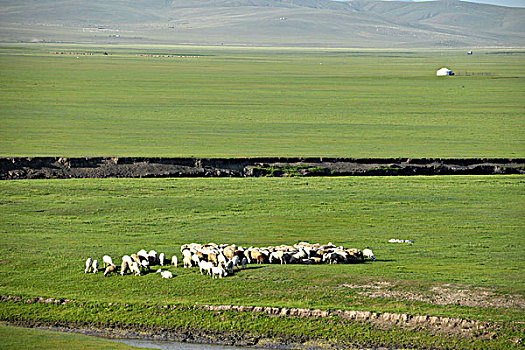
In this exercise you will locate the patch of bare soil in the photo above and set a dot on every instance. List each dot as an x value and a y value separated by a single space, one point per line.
446 294
13 168
387 320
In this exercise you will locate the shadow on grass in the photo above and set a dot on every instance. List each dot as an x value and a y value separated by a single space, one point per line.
253 267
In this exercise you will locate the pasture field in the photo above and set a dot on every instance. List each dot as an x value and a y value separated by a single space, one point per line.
468 233
21 338
221 102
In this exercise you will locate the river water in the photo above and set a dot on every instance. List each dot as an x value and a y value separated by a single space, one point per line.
173 345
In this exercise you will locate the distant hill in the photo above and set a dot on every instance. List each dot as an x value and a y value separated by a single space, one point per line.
360 23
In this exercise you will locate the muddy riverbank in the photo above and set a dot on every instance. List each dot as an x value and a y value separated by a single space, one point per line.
181 336
12 168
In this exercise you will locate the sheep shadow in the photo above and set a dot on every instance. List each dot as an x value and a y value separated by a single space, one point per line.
253 268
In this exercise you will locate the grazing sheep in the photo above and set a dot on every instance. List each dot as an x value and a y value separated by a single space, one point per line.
212 257
134 268
218 271
229 252
221 260
143 253
257 256
301 254
124 267
278 255
95 266
186 252
355 256
244 261
135 258
165 274
330 258
111 269
229 267
205 266
145 265
89 262
162 258
236 262
187 261
153 258
127 259
369 254
174 260
106 259
195 260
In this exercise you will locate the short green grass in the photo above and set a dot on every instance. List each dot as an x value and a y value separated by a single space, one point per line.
468 231
259 102
15 338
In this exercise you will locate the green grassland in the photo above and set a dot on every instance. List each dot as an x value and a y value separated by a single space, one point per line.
468 233
21 338
260 102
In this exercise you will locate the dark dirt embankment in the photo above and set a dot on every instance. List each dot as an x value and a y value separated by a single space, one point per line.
12 168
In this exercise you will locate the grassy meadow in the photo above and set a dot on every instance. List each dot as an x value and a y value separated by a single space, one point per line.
468 231
468 234
21 338
259 102
221 102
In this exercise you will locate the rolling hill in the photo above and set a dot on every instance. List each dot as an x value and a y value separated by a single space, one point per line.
359 23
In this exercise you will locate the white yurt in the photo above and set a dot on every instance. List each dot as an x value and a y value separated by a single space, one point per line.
443 72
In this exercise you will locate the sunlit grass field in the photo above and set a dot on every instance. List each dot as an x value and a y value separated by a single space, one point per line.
468 231
220 102
260 102
21 338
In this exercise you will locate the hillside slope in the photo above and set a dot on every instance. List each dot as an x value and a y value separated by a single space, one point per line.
360 23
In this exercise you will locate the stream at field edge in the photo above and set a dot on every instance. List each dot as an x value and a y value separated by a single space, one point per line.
174 345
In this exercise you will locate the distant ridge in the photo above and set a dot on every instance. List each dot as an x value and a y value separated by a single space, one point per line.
359 23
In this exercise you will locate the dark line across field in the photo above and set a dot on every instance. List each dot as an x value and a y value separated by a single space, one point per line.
12 168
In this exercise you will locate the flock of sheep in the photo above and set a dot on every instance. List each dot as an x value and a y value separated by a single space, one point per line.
219 261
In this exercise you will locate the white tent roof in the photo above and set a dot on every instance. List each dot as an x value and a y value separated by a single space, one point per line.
443 72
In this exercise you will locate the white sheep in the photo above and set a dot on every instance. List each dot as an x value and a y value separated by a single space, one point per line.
111 269
205 266
106 259
369 254
127 259
229 267
278 255
195 260
174 260
153 257
218 271
124 267
134 268
186 252
145 264
89 262
330 258
95 266
165 274
143 254
162 258
244 261
221 260
187 261
236 262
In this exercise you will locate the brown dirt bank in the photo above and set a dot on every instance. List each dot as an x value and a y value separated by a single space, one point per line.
12 168
386 320
157 333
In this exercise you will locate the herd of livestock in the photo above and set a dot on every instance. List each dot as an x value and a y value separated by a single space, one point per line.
219 261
